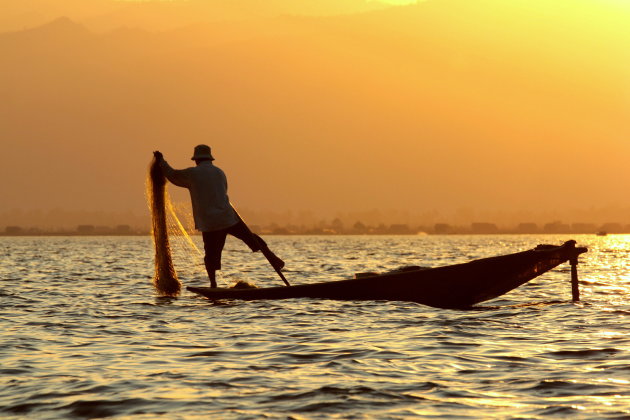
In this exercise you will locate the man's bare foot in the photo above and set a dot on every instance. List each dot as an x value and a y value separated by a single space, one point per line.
212 275
276 262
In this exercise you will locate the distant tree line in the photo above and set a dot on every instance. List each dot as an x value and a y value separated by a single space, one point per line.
337 227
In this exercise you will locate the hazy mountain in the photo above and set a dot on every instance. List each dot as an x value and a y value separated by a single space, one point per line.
170 15
59 30
444 104
104 15
24 14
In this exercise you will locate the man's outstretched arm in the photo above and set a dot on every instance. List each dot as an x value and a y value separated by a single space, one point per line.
177 177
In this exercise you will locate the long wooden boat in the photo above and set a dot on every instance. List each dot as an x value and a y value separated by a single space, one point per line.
453 286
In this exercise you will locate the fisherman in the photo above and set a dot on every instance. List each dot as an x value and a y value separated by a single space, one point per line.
213 213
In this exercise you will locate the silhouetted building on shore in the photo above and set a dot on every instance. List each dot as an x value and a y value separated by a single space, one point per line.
442 228
86 229
484 228
122 230
556 227
527 227
14 230
611 228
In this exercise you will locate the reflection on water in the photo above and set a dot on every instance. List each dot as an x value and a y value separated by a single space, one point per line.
84 336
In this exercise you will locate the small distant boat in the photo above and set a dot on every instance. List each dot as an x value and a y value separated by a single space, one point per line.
602 233
453 286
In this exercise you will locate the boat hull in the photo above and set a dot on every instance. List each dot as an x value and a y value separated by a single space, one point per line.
453 286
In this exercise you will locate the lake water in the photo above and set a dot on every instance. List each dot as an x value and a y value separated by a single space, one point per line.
84 336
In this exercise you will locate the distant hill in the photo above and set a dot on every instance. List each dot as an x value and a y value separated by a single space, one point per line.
60 28
172 15
106 15
25 14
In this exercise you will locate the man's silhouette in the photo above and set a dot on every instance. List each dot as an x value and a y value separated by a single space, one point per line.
214 215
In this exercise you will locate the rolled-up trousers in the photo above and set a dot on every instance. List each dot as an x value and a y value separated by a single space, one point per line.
213 243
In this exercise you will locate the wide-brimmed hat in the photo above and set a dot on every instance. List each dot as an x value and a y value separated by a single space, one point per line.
202 151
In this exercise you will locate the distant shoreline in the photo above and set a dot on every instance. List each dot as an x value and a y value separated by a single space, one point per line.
339 228
148 234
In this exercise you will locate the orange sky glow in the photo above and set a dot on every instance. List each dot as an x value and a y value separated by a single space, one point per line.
486 106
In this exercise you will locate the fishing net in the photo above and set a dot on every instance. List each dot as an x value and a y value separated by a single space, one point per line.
165 279
166 224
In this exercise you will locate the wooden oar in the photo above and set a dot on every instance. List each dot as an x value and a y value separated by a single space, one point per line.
262 246
266 254
277 270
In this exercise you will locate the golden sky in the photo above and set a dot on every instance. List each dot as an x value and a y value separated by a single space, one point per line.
320 105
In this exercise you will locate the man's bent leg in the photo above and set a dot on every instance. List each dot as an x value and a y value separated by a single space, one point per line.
275 261
213 243
255 243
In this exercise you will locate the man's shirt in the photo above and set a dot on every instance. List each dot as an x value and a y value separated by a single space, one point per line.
207 185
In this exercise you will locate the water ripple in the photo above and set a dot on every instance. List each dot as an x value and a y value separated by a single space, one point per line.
85 337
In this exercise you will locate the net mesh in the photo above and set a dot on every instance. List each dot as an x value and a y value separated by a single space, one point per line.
165 279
